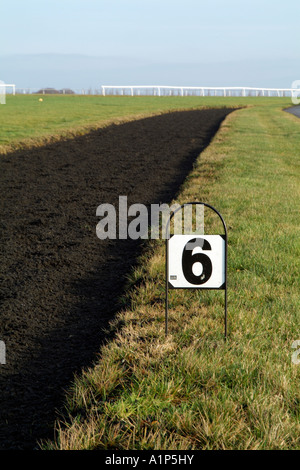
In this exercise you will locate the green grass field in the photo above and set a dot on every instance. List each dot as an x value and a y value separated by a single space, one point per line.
24 120
192 390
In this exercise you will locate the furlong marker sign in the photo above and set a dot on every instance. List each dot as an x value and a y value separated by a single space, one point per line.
197 262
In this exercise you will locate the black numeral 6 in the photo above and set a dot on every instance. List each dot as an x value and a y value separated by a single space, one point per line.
188 260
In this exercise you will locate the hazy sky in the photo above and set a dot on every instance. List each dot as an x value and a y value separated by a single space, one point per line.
138 41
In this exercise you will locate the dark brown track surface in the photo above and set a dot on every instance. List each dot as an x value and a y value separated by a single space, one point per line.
60 284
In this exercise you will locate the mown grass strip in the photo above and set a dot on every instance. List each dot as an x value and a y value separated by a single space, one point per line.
192 390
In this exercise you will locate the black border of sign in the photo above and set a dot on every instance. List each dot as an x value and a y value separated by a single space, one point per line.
167 267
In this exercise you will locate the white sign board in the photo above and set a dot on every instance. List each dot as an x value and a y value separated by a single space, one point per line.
196 261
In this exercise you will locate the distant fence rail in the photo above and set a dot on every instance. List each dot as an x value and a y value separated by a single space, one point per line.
156 90
3 89
52 91
6 87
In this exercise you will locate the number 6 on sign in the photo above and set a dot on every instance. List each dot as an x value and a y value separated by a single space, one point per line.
196 261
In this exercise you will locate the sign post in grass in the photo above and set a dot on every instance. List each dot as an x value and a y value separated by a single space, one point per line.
196 261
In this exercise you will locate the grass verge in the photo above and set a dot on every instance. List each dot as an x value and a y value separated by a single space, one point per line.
192 390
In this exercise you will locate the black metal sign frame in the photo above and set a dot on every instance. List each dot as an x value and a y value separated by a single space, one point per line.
224 286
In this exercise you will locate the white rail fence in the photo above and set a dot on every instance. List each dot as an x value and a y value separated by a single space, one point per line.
156 90
4 87
3 90
63 91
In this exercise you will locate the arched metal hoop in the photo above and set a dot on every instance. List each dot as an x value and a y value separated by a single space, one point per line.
167 269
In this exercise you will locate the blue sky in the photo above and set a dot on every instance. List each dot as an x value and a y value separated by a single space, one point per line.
86 43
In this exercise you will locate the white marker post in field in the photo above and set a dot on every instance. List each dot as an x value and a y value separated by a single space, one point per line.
196 261
2 92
